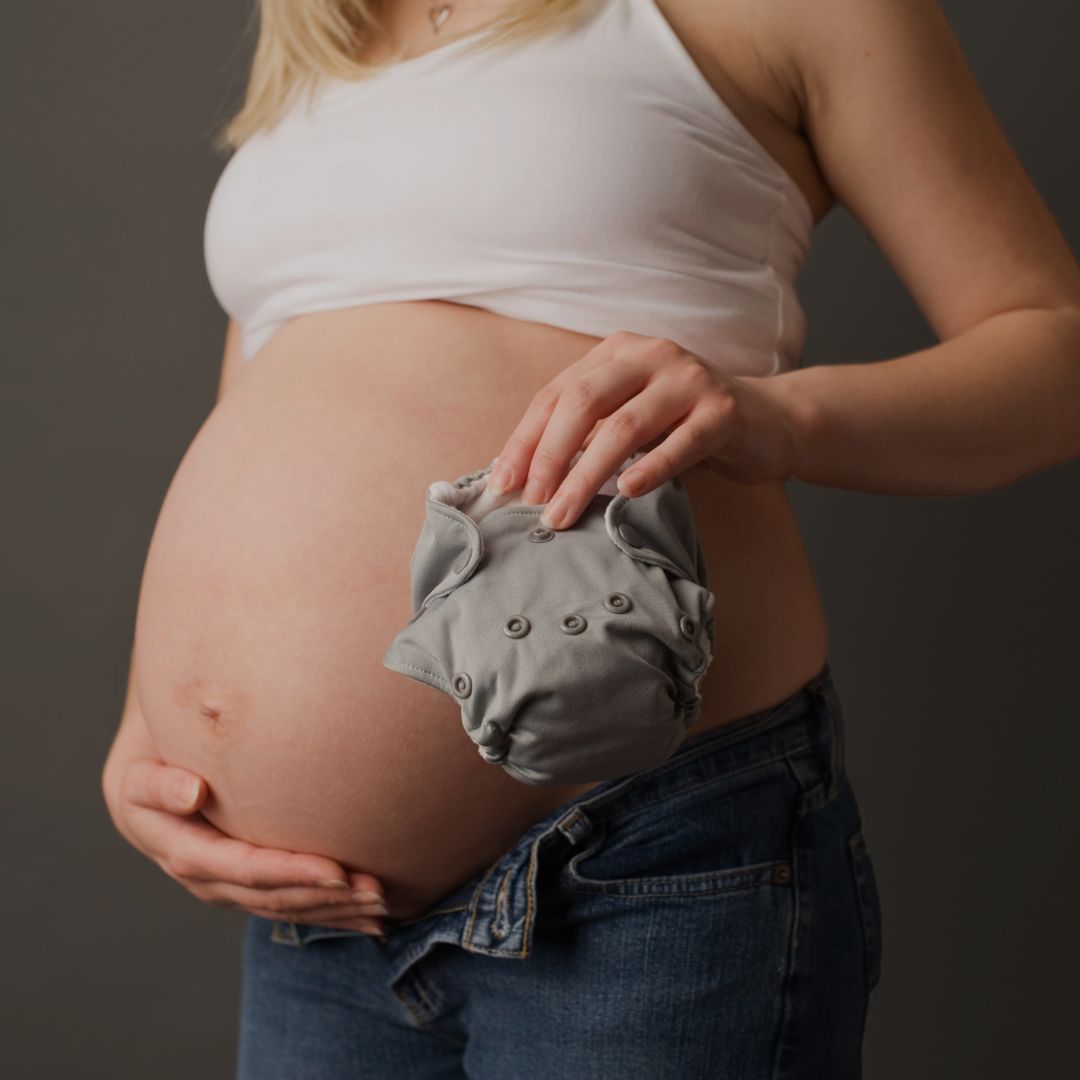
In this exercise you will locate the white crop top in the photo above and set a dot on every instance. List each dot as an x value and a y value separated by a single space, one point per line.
591 179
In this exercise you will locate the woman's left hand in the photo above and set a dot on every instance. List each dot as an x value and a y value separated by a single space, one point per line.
650 390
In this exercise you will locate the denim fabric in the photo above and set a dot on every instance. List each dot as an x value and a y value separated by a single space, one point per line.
714 917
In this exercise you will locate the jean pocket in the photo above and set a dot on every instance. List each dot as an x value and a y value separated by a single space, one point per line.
283 932
726 835
866 889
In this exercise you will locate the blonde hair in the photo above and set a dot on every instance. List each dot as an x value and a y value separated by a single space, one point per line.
300 41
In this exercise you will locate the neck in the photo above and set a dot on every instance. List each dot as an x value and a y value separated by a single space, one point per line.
418 22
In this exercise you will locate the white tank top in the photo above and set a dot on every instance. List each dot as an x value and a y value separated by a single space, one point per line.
591 179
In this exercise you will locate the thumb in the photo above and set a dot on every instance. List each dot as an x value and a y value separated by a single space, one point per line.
149 782
181 791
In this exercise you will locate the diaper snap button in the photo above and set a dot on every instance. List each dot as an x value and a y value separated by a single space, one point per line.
540 534
490 734
516 626
687 627
462 562
573 624
630 535
462 684
618 602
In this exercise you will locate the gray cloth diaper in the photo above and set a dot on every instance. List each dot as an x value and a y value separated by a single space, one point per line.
575 655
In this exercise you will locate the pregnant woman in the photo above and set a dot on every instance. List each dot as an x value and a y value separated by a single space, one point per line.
582 236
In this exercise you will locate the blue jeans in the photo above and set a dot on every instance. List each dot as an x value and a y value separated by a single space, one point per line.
714 917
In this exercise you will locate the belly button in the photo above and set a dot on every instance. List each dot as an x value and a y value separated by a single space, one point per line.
210 711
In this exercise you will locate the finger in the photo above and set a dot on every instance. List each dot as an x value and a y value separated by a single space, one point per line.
687 444
517 451
328 914
366 886
297 902
360 924
150 782
592 433
597 394
220 857
659 406
194 850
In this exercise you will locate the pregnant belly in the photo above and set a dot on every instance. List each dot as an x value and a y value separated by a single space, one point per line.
278 572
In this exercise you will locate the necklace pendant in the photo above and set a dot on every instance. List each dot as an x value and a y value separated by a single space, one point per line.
438 14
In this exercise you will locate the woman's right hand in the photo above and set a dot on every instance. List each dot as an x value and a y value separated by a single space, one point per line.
155 807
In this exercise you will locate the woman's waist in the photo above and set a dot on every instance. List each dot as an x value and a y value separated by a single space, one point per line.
771 629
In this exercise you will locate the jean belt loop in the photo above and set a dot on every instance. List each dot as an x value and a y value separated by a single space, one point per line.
576 825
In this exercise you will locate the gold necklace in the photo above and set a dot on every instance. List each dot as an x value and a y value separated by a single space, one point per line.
437 15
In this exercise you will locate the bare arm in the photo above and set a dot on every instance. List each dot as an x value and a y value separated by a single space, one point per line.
909 145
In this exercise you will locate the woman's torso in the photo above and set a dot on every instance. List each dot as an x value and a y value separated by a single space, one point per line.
279 572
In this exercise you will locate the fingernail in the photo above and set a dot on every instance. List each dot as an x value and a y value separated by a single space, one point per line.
499 480
630 484
372 900
534 491
189 792
332 883
554 513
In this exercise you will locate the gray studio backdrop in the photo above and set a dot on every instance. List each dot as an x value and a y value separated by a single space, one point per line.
953 620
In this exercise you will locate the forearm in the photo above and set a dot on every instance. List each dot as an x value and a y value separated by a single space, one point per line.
987 407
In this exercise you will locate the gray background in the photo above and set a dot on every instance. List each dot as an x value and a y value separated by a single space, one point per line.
953 621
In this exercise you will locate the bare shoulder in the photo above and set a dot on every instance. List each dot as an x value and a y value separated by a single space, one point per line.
902 135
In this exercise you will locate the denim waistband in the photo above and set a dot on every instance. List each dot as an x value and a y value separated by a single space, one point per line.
494 913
